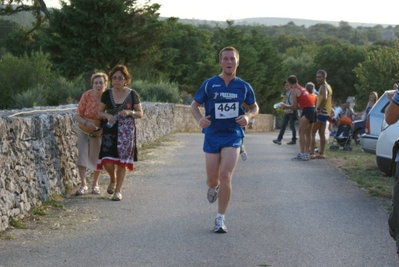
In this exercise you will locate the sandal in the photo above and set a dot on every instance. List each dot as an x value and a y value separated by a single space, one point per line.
320 156
312 156
111 188
117 196
96 190
81 191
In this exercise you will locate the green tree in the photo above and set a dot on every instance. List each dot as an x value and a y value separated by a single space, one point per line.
330 40
6 28
345 31
260 63
284 42
20 42
379 71
185 55
339 62
38 9
18 74
90 35
299 62
321 31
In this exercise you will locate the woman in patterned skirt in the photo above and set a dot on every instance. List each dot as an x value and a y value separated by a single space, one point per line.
120 106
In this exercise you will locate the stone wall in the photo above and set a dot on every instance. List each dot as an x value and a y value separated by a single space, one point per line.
38 150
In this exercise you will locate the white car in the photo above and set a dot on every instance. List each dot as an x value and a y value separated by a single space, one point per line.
389 134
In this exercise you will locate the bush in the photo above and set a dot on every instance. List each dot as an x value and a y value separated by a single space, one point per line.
31 98
18 74
62 92
160 92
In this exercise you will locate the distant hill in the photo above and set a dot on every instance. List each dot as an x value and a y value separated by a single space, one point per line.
279 22
26 18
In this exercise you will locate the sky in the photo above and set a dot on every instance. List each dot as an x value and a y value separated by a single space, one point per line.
378 12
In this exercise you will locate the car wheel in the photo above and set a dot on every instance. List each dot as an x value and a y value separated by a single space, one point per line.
356 136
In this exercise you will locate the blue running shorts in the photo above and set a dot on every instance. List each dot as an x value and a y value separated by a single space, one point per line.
322 118
214 144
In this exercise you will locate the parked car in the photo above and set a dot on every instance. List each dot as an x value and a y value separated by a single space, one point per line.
372 127
389 134
358 130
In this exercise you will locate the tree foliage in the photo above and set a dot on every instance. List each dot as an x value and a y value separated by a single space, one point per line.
186 55
89 35
379 71
38 9
19 74
85 36
339 61
260 64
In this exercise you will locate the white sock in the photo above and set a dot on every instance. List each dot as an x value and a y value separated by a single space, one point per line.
219 215
216 188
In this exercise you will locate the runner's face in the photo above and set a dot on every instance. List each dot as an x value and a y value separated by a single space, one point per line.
229 62
320 79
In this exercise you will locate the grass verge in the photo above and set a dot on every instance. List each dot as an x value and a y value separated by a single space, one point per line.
361 168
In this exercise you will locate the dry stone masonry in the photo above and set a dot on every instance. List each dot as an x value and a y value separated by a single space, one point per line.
38 150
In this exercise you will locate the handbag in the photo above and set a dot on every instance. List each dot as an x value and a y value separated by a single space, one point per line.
87 130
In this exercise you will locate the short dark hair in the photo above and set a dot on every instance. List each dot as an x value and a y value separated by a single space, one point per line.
322 72
292 79
285 82
229 48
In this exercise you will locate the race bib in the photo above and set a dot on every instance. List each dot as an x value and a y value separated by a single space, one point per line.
226 110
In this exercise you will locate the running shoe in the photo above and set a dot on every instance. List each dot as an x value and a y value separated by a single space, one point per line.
213 194
297 158
243 155
301 157
292 142
278 142
220 228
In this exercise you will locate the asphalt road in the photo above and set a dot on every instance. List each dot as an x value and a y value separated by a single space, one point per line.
282 214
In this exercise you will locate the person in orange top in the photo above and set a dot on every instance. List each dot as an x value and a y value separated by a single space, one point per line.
89 134
310 88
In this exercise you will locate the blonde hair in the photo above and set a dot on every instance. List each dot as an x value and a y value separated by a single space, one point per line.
309 87
99 74
375 95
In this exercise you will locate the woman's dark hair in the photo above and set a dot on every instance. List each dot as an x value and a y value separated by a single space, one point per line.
125 72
